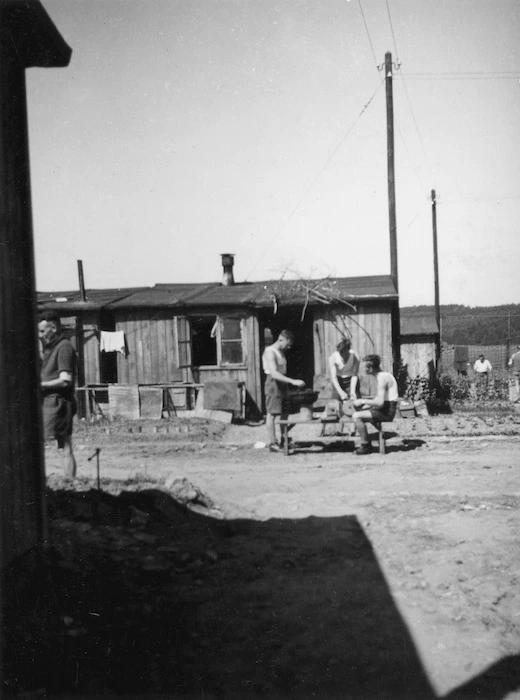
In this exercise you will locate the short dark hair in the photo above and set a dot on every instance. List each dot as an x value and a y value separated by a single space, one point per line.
50 317
373 360
289 335
343 347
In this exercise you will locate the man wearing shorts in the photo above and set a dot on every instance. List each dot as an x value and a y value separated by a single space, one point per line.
381 408
274 364
57 381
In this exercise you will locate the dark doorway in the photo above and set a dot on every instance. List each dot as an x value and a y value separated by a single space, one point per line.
108 360
300 359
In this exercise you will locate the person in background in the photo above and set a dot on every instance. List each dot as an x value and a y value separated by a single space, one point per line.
57 381
274 363
514 363
344 370
381 408
483 369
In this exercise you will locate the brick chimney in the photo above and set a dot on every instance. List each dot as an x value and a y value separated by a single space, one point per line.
228 260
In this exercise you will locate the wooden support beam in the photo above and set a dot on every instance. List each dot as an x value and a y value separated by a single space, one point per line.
27 38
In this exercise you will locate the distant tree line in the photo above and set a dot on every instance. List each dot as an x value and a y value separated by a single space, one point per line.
474 325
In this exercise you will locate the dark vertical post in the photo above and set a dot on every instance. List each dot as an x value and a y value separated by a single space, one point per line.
508 345
19 372
391 168
436 278
82 292
80 339
396 330
27 38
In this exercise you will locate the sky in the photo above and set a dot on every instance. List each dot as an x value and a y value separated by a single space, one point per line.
183 129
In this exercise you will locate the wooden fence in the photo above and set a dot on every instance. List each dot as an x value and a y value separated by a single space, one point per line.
498 356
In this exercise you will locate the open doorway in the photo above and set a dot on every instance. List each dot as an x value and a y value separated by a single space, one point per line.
300 358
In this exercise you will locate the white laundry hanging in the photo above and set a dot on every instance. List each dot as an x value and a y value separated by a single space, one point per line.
112 341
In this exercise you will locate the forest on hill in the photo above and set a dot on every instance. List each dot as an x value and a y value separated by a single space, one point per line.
474 325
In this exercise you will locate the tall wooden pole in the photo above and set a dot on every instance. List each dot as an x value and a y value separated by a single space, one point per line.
391 168
436 278
396 322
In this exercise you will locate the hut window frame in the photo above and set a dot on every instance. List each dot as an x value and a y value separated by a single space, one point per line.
225 341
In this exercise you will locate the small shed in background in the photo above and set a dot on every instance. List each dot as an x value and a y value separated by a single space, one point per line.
419 338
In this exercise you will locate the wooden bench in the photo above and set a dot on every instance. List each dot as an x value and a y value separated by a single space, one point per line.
286 423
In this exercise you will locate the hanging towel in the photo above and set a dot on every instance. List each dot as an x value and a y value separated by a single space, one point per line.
113 342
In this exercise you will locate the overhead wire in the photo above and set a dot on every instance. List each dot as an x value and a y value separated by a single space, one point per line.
392 30
313 181
368 35
412 112
466 75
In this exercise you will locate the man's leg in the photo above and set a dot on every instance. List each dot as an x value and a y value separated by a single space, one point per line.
271 428
69 461
361 418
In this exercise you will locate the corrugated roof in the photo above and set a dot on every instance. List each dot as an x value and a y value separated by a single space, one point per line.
71 300
418 325
165 295
260 294
252 294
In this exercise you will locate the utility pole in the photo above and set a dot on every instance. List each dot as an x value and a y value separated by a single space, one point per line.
436 278
390 150
508 348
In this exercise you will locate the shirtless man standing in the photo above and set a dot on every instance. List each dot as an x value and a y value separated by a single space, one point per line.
274 364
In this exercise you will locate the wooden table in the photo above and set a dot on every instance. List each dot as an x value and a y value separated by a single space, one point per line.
286 423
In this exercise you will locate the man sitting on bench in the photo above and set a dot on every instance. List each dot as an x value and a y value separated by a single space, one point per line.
381 408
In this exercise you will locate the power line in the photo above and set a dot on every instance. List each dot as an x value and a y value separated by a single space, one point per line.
368 35
313 181
392 30
463 76
483 200
471 72
408 99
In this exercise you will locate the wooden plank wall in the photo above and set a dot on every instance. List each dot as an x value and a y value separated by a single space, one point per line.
83 332
152 349
253 363
22 481
151 337
90 328
418 354
221 374
370 331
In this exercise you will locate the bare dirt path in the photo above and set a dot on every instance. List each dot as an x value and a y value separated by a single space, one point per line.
330 575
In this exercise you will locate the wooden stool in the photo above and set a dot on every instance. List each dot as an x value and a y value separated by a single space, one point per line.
382 444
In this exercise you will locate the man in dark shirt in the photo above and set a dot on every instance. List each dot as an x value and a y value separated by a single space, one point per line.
57 381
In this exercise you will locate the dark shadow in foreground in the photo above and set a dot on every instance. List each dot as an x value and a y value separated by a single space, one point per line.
141 596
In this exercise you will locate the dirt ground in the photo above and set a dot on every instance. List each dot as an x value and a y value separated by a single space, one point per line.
206 567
